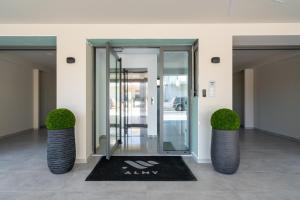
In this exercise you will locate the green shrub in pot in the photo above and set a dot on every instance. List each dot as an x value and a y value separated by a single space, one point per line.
225 152
225 119
61 151
61 118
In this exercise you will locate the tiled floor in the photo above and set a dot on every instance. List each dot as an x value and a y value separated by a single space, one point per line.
136 142
269 170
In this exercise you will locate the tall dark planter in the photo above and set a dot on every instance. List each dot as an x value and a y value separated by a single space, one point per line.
61 152
225 151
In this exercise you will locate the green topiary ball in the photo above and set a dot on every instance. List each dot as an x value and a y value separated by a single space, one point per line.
61 118
225 119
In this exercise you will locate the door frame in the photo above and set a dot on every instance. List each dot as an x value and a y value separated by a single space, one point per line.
189 49
110 150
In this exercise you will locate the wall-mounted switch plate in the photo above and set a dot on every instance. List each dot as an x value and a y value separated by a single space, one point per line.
211 89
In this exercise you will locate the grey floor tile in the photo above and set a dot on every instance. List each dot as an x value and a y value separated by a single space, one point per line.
269 169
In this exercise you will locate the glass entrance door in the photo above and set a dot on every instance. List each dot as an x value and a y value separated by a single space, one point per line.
174 100
128 98
113 69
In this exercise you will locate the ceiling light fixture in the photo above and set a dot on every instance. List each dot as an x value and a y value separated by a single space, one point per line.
49 53
279 1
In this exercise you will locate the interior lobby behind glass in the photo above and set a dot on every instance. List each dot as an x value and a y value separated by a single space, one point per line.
175 107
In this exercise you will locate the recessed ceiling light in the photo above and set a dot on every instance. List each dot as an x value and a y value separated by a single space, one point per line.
50 53
279 1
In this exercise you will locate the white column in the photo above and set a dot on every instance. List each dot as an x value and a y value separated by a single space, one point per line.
72 80
249 98
36 124
221 46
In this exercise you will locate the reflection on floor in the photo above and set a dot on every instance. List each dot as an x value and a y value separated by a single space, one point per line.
137 115
176 136
136 142
269 170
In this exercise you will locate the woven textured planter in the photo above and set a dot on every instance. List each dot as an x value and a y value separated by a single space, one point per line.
61 152
225 151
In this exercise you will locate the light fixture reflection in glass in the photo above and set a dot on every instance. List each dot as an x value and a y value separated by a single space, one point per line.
177 83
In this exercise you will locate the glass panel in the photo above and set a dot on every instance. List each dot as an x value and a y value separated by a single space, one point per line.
105 141
196 73
100 107
175 105
113 104
137 98
124 101
118 100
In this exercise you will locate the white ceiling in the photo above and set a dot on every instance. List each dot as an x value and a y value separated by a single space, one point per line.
243 59
43 59
260 50
278 40
148 11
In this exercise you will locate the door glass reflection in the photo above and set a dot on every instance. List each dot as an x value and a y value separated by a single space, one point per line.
175 97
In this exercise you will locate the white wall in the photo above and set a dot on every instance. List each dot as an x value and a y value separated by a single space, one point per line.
210 46
36 100
249 98
47 92
16 95
214 40
18 102
277 97
238 94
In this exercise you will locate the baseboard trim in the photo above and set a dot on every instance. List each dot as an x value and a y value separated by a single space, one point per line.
16 133
84 160
198 160
81 160
279 135
249 128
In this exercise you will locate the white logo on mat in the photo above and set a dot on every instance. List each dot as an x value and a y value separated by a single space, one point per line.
140 164
140 167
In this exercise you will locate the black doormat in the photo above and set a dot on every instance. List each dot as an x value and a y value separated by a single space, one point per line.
141 168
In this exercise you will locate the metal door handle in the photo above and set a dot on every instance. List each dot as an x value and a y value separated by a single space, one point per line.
152 100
